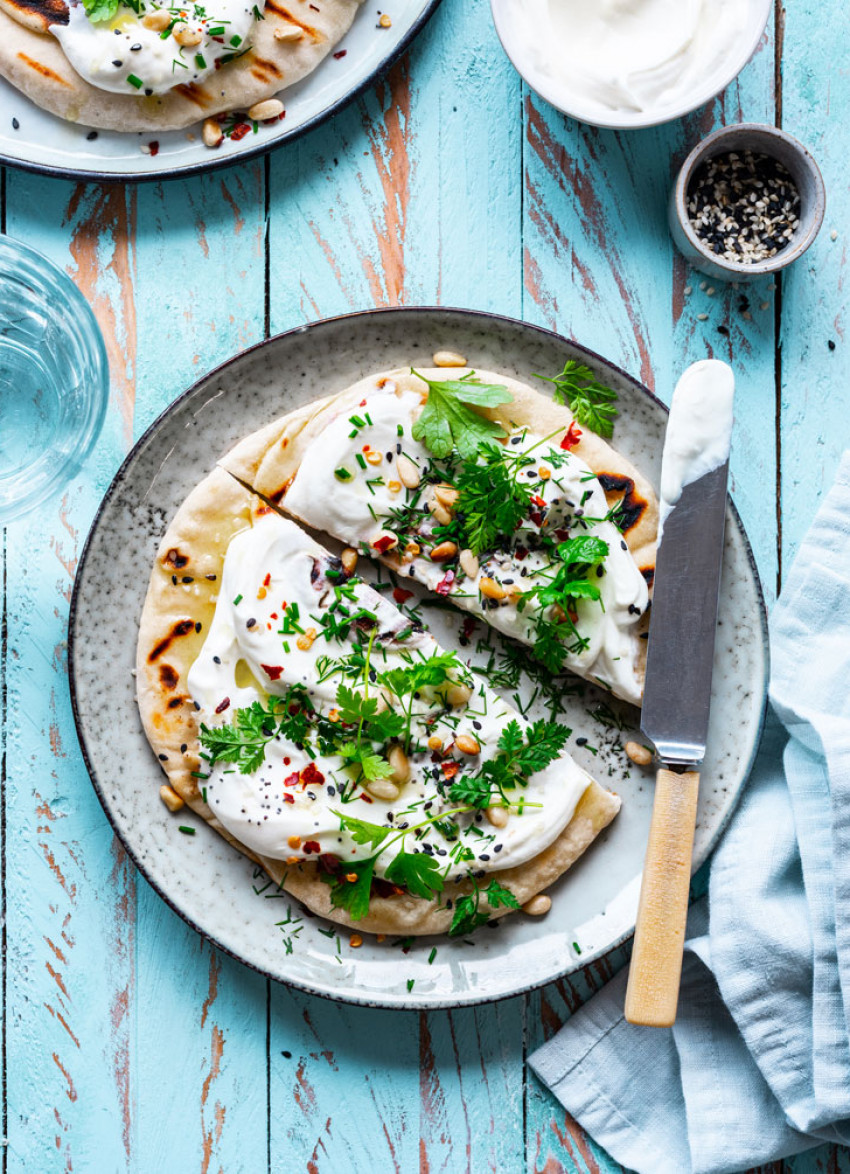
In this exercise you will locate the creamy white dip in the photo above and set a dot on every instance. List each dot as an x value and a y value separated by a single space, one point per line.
609 58
124 56
287 808
699 431
360 510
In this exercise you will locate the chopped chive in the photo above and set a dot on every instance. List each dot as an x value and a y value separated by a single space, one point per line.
576 947
356 421
368 419
432 956
135 81
286 646
217 32
342 474
187 831
235 41
352 434
410 983
237 600
199 61
361 460
399 430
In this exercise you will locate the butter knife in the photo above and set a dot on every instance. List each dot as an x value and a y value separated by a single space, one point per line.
677 690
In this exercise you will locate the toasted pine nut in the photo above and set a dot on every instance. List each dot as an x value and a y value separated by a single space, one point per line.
491 588
435 743
466 744
385 21
305 640
400 764
183 35
270 108
457 695
382 789
639 754
394 486
348 558
443 551
170 798
373 457
355 941
408 473
538 905
158 20
497 816
440 514
544 473
449 359
294 841
446 495
288 32
212 134
468 563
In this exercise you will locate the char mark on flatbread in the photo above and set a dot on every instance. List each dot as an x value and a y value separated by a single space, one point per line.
286 15
37 14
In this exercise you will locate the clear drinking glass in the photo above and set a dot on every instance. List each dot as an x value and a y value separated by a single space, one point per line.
54 379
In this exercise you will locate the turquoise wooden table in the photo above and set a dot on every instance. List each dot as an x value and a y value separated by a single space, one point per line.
128 1043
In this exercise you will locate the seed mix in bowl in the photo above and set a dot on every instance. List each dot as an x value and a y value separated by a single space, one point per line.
744 206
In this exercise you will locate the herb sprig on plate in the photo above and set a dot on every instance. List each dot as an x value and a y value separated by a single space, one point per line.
591 402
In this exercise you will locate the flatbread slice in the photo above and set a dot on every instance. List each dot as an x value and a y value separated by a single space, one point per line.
179 611
296 449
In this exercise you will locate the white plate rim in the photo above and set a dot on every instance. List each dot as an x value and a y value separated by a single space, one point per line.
222 162
463 999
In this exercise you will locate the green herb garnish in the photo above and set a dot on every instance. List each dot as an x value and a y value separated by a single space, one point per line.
448 421
591 402
469 915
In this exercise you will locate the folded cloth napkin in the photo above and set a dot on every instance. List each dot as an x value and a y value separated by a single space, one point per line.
757 1066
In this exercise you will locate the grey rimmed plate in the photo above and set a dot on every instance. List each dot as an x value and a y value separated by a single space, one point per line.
37 141
215 888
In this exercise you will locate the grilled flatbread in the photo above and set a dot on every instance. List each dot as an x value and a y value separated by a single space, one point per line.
33 60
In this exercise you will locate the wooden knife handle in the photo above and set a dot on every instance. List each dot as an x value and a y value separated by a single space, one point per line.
656 969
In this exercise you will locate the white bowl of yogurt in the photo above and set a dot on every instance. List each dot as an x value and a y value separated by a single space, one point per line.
626 64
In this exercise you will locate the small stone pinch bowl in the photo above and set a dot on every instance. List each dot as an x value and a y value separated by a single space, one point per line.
764 140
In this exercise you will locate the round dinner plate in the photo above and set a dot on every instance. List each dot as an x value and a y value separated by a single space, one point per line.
37 141
214 887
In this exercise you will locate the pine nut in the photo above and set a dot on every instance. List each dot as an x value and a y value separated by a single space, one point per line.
185 36
449 359
435 743
355 941
538 905
468 563
491 588
443 551
457 695
382 789
497 816
408 473
543 473
640 755
466 744
212 134
440 514
305 640
158 20
294 842
288 32
446 495
270 108
385 21
170 798
348 558
400 764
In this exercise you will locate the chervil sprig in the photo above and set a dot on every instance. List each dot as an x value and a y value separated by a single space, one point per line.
591 402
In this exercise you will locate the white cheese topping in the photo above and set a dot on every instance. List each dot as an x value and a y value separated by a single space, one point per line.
278 588
699 431
363 509
126 56
626 57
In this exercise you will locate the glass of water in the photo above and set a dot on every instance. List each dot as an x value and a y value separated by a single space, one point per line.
54 379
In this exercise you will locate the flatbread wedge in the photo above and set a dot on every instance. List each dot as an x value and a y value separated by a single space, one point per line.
177 614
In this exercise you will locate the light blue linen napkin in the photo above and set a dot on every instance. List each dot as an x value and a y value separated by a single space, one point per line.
757 1066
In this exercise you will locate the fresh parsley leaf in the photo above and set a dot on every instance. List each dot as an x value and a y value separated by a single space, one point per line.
434 670
591 402
101 10
417 872
363 832
492 500
544 741
472 792
354 707
498 895
469 915
372 766
244 740
583 549
352 896
449 421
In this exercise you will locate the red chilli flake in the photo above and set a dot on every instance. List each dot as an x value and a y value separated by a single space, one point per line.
450 769
311 774
400 595
445 584
292 780
272 671
312 846
572 437
240 130
267 579
153 147
220 708
340 53
289 798
383 544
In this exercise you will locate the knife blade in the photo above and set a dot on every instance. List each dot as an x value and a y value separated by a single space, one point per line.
679 663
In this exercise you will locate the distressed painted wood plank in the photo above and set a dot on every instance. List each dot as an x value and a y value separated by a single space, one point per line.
814 379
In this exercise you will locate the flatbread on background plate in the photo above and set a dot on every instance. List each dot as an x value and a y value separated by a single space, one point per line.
177 614
32 59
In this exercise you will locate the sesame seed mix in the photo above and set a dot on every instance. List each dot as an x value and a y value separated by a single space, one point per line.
743 206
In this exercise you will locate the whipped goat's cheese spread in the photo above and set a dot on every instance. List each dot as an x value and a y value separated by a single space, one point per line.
154 49
351 483
613 58
297 635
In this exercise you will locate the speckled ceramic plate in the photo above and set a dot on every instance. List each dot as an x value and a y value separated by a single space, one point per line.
215 888
33 139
